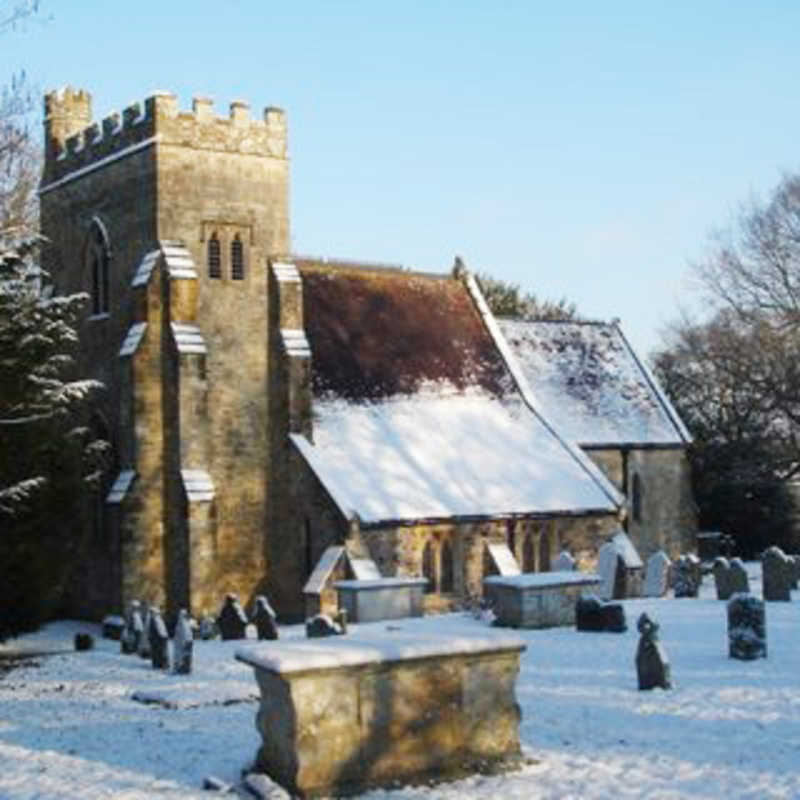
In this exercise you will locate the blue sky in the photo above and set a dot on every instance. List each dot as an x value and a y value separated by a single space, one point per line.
578 149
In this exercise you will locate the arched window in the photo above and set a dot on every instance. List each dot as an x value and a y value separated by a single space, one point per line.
636 498
429 567
529 554
447 566
98 259
214 258
237 259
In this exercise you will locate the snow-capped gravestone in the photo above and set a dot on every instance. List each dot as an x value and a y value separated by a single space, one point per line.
207 627
133 630
144 639
656 579
322 625
158 639
776 575
652 664
113 626
722 577
747 631
564 563
607 561
183 644
686 582
232 621
737 577
593 615
264 619
794 572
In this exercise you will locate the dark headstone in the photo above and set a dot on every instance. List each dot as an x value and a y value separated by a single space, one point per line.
158 639
232 621
737 577
321 625
722 577
686 577
747 632
776 575
794 571
593 615
264 619
83 641
652 664
183 644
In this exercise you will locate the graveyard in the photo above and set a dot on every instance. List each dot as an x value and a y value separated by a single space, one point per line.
100 724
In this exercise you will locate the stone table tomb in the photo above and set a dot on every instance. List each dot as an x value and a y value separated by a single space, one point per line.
340 715
381 598
538 599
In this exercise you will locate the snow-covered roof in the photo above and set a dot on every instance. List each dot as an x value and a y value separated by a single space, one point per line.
444 453
188 338
121 486
198 485
295 342
416 414
587 379
627 552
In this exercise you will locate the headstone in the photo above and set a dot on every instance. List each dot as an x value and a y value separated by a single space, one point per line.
607 560
113 626
132 632
722 582
264 619
593 615
83 641
652 664
321 625
747 632
207 627
232 621
776 575
341 619
183 644
656 579
686 584
564 563
697 570
737 577
794 571
144 639
159 640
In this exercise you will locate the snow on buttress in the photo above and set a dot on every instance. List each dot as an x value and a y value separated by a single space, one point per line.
589 382
441 453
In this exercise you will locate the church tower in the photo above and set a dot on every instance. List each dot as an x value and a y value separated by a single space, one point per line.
168 221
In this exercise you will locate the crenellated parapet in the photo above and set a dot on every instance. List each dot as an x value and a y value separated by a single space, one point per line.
74 142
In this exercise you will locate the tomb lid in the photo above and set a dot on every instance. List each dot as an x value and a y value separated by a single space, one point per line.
381 583
322 571
378 645
528 580
364 569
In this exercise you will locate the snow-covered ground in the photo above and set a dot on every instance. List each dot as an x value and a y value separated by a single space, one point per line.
69 728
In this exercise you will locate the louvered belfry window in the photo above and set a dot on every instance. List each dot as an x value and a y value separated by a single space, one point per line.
214 257
237 259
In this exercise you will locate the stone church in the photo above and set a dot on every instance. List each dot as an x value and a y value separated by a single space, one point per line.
267 410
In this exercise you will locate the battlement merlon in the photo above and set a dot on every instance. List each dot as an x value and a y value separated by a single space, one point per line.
73 142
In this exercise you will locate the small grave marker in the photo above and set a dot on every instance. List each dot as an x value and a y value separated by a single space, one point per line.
183 644
232 621
264 619
652 664
747 632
